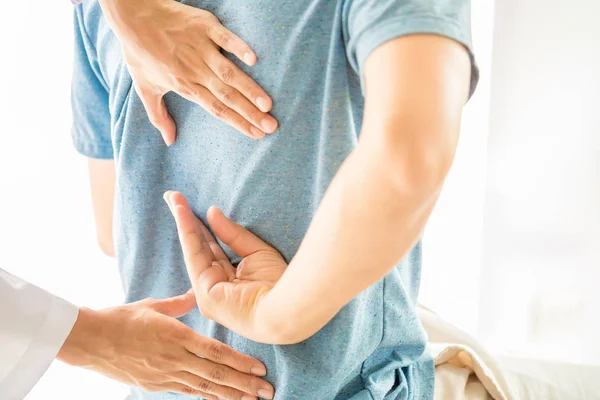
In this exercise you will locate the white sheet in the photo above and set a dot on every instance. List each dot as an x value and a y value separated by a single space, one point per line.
465 370
550 380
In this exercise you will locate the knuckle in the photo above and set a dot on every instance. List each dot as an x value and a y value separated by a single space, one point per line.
184 334
218 109
226 94
227 74
233 394
209 25
178 85
188 390
218 374
255 116
247 385
217 352
205 385
196 93
225 39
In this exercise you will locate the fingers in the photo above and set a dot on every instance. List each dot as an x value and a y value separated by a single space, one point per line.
196 252
202 267
177 306
219 353
207 386
231 43
157 112
178 387
238 238
205 99
232 76
233 99
225 376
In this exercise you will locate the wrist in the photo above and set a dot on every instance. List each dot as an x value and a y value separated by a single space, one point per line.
77 350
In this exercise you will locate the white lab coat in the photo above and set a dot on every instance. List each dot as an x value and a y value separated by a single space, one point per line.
33 326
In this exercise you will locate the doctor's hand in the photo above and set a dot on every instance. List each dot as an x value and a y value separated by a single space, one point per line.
232 297
142 344
169 46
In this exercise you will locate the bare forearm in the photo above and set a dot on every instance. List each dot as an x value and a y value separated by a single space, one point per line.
102 184
365 224
377 205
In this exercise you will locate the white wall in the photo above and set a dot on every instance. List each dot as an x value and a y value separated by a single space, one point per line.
543 166
46 227
541 252
452 242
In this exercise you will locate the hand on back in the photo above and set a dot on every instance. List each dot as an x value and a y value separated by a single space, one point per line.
230 296
169 46
143 344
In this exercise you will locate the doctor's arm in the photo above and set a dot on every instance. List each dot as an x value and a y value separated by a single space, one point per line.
170 46
140 344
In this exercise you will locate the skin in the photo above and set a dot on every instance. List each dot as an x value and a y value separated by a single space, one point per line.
169 46
102 178
377 204
142 344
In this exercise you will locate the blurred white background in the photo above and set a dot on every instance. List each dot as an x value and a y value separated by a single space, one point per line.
511 252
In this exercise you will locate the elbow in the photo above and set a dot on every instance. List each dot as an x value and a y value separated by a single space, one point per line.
286 338
292 334
280 334
286 330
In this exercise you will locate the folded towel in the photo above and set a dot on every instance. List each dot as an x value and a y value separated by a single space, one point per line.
466 371
463 366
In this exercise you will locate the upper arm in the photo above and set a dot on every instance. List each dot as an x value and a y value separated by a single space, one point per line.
91 130
415 89
417 70
102 184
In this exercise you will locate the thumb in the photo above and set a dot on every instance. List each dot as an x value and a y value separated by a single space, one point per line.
238 238
157 112
177 306
196 251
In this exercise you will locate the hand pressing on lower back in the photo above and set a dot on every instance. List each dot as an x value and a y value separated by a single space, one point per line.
232 297
143 344
169 46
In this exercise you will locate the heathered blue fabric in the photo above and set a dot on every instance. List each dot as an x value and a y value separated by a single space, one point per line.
311 55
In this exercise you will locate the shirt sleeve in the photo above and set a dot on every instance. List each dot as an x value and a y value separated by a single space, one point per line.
34 324
91 129
370 23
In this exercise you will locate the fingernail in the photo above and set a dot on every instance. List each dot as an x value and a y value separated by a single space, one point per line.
269 124
166 197
263 104
257 133
259 370
265 394
248 58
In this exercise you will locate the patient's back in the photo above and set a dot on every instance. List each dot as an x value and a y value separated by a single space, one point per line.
309 53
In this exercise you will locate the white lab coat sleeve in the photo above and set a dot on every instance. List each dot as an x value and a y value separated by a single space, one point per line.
34 324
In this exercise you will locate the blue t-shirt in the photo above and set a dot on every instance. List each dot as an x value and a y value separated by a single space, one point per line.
311 55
